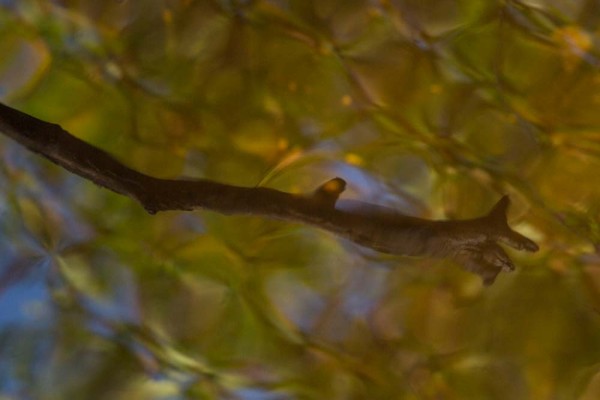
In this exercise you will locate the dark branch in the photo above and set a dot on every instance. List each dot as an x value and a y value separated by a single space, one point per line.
470 242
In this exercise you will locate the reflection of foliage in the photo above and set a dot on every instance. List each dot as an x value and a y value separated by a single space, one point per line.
431 107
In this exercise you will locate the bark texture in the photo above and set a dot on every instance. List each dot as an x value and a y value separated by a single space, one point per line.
472 242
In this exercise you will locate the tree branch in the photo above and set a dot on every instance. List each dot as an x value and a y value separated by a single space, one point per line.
470 242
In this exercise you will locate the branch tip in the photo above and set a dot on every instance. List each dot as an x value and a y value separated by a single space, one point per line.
497 222
498 211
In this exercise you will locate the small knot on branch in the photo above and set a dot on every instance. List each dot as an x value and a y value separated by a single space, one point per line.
329 192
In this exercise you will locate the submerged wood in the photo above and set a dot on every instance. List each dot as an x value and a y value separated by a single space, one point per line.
472 242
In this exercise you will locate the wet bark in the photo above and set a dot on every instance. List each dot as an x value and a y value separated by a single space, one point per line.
473 243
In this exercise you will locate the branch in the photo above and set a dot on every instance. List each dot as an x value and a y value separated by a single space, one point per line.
471 242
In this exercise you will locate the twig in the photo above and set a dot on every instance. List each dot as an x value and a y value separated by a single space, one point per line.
470 242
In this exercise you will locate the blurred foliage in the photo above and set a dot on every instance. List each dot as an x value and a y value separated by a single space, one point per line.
435 108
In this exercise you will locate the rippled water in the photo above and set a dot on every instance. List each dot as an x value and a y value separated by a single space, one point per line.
433 108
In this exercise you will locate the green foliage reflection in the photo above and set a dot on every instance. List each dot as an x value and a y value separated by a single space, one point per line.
435 108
